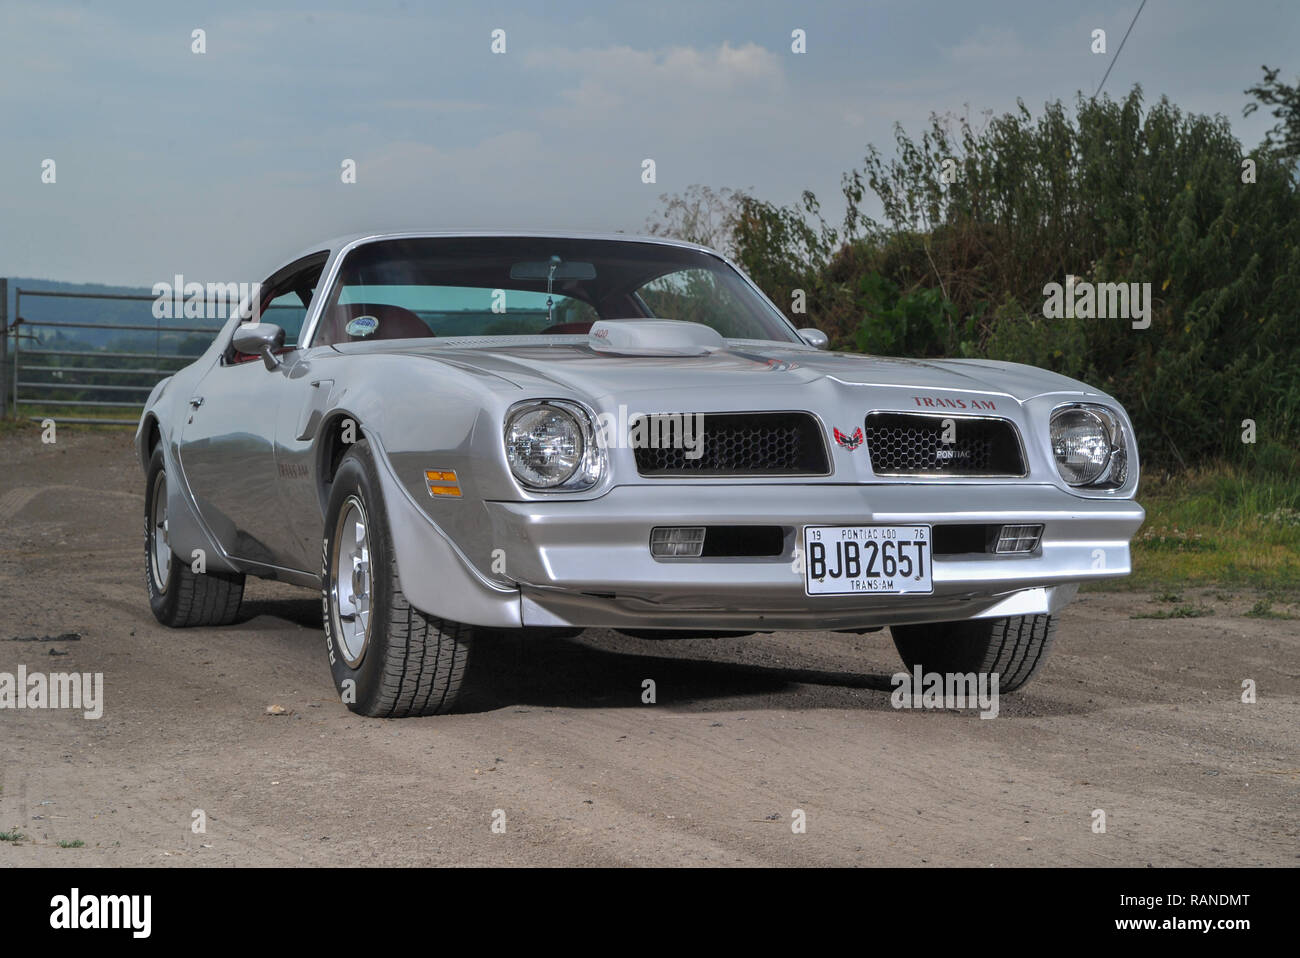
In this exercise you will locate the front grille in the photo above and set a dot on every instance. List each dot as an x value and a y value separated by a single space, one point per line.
911 444
735 444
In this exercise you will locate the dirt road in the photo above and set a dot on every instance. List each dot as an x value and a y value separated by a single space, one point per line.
1141 718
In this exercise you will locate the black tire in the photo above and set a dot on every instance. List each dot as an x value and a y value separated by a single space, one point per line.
1013 648
179 596
406 662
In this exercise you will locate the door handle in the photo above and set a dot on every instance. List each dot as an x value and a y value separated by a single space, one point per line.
196 401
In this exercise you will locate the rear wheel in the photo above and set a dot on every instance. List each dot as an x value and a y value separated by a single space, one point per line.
178 595
388 658
1014 649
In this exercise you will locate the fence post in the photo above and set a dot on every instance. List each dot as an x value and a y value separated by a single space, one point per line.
4 348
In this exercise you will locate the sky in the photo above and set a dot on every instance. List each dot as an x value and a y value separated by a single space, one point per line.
221 165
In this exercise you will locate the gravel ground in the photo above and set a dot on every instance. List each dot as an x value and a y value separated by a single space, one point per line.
1139 717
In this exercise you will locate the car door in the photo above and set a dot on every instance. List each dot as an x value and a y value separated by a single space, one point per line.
227 443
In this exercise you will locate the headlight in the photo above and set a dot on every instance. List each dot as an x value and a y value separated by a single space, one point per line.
551 445
1090 446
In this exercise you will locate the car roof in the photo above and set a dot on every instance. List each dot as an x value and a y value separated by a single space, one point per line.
354 239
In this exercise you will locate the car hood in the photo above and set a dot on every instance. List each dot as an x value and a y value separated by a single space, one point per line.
748 370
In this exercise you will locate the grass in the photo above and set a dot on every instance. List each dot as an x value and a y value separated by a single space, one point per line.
20 424
1217 526
13 427
75 843
13 836
1181 612
1263 609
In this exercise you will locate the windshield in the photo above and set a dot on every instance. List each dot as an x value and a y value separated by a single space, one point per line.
535 286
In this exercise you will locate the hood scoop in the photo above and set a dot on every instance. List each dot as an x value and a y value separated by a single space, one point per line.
654 337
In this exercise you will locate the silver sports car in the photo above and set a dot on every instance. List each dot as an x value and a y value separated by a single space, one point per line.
451 433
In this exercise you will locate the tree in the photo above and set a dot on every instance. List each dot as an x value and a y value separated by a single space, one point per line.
1284 138
698 215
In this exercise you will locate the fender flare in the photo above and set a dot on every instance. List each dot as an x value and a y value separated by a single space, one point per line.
435 575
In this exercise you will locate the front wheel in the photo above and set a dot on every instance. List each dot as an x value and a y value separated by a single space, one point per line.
1014 649
388 658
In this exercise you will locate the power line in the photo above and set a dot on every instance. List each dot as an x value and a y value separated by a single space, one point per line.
1121 48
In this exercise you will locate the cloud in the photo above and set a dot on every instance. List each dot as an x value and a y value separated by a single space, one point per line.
614 80
988 45
215 164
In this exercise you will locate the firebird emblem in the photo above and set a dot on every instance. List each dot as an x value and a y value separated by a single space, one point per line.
849 442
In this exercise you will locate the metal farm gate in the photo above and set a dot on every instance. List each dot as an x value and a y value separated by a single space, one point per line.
64 370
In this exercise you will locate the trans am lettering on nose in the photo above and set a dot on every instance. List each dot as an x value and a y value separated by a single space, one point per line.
436 469
945 402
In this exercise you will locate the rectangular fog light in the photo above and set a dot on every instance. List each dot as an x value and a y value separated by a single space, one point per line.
1014 539
676 541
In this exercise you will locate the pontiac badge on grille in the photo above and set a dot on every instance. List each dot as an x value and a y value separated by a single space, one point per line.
849 442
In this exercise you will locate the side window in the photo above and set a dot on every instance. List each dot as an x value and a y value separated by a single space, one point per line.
288 311
286 300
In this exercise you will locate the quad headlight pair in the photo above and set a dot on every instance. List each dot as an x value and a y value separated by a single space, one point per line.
1090 446
551 445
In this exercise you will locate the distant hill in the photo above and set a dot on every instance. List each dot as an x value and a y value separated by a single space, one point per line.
108 312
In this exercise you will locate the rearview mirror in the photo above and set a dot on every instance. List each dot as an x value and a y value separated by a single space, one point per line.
814 337
542 270
259 339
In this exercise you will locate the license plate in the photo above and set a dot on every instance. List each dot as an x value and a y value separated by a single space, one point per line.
864 560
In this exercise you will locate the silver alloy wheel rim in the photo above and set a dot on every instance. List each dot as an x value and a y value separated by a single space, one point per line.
160 552
350 581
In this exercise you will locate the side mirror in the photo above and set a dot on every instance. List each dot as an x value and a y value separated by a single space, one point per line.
814 338
259 339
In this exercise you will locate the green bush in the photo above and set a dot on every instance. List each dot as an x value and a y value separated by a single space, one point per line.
1110 191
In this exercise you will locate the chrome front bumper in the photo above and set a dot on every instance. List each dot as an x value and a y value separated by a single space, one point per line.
589 564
